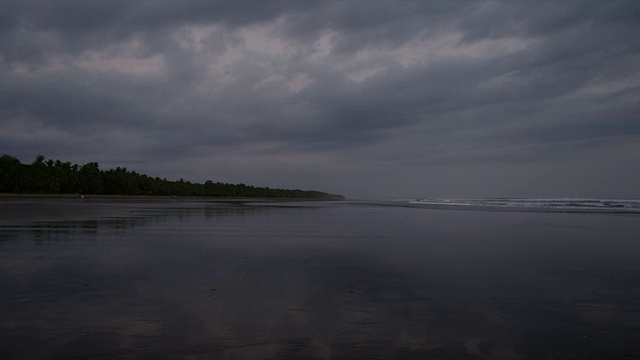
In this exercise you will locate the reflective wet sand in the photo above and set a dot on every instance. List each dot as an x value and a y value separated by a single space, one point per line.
156 279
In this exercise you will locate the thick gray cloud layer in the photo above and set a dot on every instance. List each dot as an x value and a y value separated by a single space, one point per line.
364 98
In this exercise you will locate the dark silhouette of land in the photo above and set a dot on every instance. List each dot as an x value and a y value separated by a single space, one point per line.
44 176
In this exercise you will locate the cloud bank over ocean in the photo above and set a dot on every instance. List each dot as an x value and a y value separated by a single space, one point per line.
433 99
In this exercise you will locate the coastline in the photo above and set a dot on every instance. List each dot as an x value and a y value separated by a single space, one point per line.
30 208
4 196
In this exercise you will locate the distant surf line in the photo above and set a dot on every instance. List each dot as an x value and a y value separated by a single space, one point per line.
539 204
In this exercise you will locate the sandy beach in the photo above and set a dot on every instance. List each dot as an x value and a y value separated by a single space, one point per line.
151 278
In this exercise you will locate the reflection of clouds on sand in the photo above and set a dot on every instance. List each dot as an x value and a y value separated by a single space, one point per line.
207 280
487 349
132 330
336 315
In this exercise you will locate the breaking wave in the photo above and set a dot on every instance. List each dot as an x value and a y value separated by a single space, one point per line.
558 205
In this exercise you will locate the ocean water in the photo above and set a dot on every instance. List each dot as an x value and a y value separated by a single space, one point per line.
548 205
197 279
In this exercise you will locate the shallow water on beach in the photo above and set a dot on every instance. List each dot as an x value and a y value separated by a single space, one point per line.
182 279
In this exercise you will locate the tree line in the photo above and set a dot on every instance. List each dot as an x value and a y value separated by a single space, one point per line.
47 176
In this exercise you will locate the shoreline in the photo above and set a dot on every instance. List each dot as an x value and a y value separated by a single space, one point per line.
29 208
7 196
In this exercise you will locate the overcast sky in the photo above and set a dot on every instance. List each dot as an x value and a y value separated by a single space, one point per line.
367 99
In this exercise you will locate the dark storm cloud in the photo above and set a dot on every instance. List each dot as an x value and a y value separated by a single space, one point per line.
36 29
339 88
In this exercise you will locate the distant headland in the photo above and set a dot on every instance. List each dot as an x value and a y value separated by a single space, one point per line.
47 176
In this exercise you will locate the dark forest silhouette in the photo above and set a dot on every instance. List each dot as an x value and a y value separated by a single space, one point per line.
44 176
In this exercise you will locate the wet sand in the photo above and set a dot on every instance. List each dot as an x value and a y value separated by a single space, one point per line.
154 279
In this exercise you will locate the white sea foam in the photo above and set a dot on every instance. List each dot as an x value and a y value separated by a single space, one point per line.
543 204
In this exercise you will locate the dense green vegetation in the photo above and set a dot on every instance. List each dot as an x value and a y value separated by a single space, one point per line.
56 177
